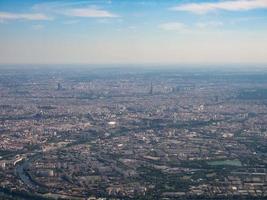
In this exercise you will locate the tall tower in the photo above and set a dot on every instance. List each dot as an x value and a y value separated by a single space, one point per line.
59 86
151 89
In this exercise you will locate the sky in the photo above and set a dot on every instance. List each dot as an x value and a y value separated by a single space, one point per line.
133 31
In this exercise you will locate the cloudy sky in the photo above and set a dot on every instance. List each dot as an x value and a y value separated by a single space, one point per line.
133 31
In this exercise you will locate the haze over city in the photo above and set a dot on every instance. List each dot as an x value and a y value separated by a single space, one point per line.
133 100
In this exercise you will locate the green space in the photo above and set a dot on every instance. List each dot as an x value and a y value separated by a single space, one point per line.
234 162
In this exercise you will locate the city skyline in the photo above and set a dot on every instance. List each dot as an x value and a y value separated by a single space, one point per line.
133 32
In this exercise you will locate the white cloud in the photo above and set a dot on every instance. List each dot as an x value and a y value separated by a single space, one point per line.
172 26
246 19
23 16
89 12
74 9
38 27
237 5
210 24
68 22
52 5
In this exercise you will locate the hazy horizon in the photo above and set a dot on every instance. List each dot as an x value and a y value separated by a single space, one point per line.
133 32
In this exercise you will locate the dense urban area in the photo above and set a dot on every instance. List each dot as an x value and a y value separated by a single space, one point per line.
85 133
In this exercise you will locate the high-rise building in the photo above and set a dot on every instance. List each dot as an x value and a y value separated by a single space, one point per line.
59 86
151 88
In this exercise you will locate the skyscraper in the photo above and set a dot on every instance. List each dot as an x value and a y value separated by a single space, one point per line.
59 86
151 89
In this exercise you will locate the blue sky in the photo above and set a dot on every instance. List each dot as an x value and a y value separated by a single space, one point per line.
133 31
